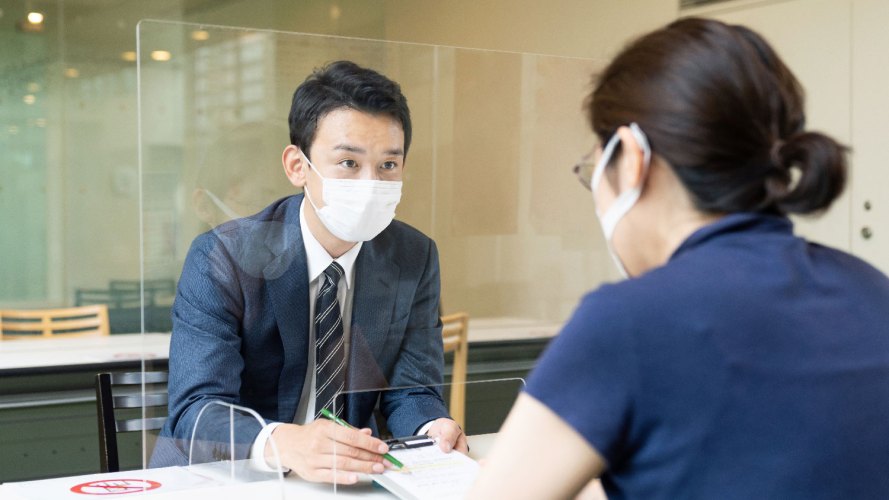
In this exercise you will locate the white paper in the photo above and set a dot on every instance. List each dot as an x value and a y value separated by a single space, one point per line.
434 474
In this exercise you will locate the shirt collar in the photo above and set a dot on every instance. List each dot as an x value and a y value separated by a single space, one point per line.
747 222
317 257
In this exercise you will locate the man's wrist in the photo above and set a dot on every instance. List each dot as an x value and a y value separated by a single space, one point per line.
425 427
257 451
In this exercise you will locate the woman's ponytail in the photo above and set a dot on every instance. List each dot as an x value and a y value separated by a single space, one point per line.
816 173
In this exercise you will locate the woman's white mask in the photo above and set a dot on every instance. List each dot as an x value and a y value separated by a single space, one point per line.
355 209
624 201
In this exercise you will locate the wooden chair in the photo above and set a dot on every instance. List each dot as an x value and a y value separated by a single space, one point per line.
48 323
106 403
455 336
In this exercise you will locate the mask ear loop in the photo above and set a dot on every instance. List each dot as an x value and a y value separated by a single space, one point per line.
624 201
313 168
642 140
612 143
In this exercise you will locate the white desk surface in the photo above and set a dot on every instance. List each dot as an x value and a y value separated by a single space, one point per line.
183 484
56 352
506 329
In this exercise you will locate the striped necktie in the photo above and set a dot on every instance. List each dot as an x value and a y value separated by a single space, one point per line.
330 358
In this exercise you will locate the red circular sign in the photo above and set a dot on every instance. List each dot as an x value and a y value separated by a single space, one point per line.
115 486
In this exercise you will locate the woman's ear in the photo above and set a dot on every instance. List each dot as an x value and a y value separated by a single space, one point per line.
294 166
632 161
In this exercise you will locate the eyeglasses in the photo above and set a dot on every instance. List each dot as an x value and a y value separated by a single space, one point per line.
583 169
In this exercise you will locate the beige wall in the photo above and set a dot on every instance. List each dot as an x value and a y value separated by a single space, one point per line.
517 234
577 28
870 104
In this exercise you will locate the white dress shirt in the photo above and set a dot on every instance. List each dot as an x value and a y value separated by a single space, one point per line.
317 260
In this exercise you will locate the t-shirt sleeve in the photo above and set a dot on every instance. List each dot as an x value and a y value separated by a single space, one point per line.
587 374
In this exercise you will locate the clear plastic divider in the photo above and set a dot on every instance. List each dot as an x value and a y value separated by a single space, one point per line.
487 177
415 423
221 443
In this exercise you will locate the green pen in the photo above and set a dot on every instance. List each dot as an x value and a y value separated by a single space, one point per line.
327 413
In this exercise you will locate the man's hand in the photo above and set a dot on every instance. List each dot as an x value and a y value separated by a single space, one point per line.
450 435
323 451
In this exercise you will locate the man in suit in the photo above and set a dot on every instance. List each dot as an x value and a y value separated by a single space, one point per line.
282 311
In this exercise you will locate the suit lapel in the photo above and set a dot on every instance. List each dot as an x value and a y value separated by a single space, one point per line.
288 288
376 289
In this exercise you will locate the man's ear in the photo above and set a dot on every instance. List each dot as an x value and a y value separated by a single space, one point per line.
295 166
632 159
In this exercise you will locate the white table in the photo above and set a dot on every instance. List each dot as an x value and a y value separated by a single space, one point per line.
53 354
50 355
182 483
508 329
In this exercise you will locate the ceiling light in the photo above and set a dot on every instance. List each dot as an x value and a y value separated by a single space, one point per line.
40 122
129 56
200 35
161 55
35 17
29 99
72 72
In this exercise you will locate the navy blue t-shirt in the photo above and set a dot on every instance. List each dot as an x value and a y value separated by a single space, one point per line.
753 364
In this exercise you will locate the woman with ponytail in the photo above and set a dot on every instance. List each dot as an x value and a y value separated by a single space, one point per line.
738 360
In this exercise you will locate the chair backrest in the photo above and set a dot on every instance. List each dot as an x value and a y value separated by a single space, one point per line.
107 403
46 323
153 288
455 337
115 299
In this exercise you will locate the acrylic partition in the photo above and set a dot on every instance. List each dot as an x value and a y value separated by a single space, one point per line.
488 177
219 449
422 465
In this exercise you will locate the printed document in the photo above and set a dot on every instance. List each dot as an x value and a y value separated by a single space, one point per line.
432 474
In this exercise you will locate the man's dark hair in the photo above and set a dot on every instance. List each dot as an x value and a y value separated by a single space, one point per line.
344 84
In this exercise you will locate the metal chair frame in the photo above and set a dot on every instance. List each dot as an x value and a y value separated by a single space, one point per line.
107 403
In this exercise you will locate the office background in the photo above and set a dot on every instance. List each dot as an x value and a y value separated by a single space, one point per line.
518 239
69 189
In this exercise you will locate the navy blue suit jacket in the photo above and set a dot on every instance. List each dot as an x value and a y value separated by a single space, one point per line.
240 331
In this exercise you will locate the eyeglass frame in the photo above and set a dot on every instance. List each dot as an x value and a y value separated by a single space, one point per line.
585 166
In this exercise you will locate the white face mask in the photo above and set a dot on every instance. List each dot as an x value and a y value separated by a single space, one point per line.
624 201
356 210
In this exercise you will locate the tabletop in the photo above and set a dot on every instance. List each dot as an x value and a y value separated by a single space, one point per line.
24 355
198 483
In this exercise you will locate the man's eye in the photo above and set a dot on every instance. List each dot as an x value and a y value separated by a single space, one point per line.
349 164
390 165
